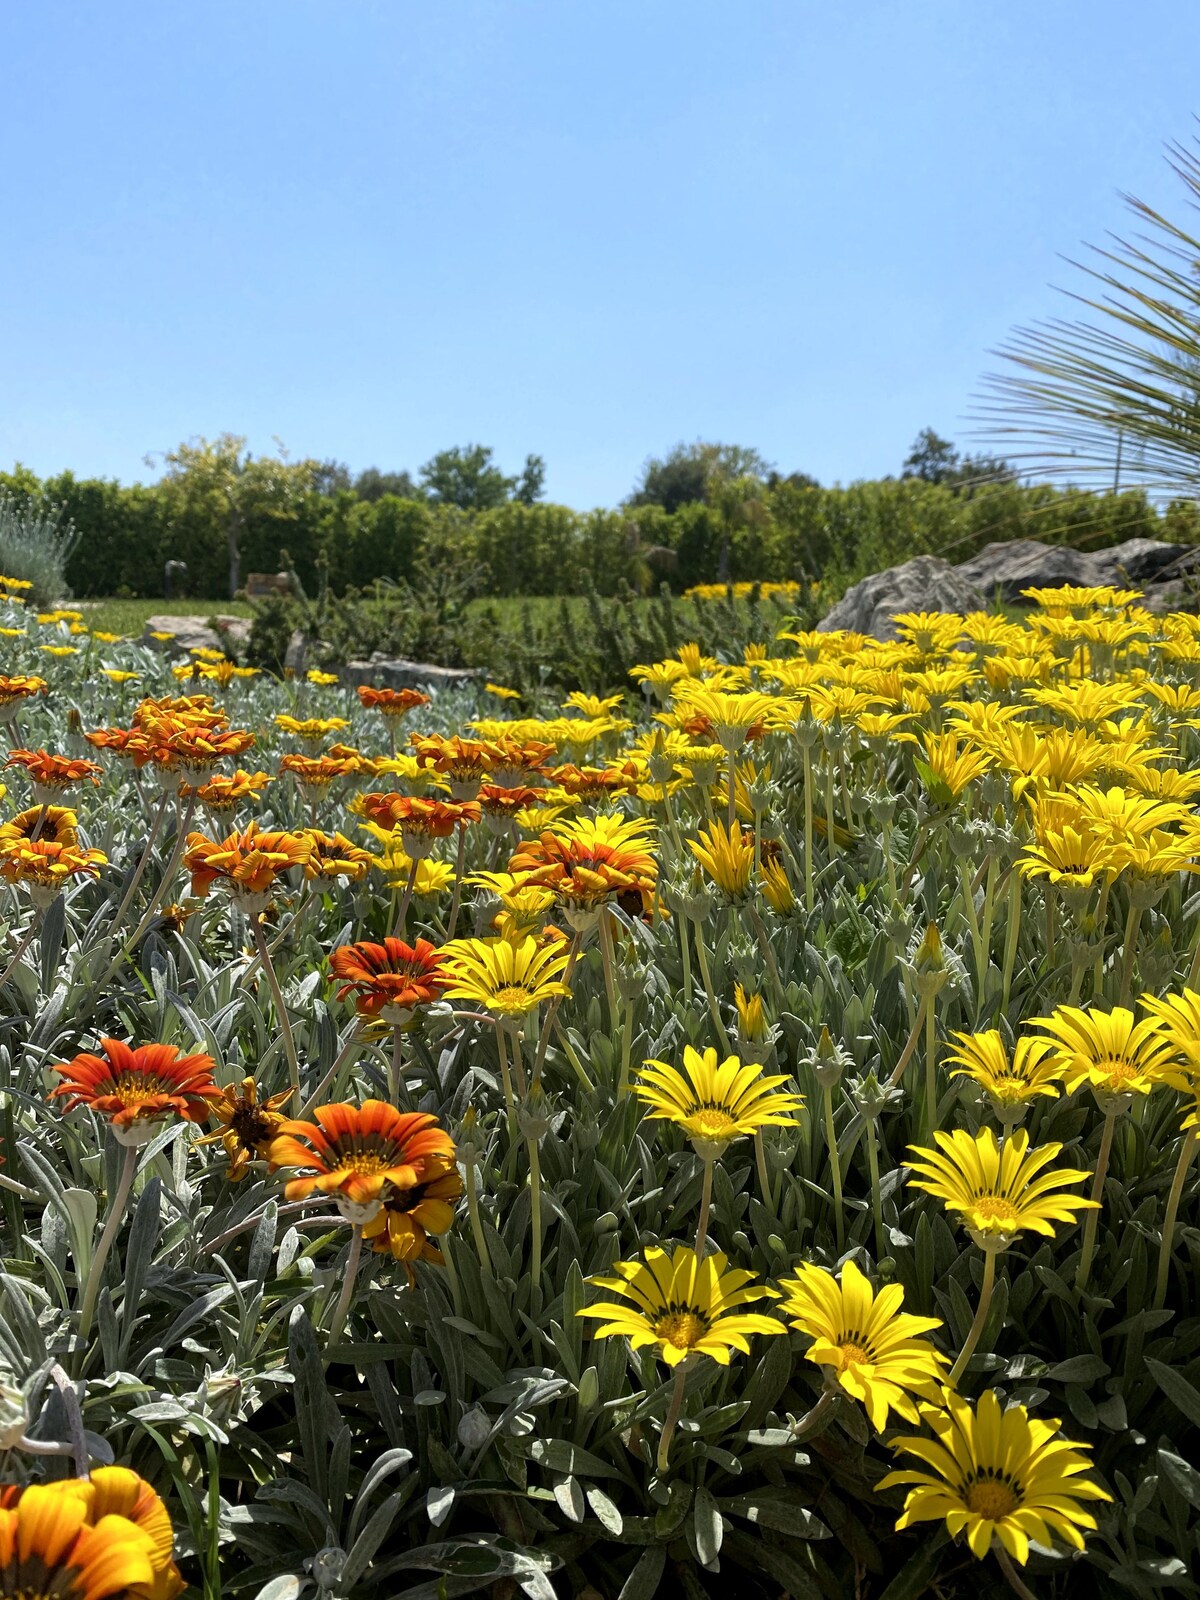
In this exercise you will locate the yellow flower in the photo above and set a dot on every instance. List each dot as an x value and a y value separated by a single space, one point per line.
776 886
500 692
59 649
947 770
1010 1083
324 680
681 1306
752 1022
1109 1051
118 676
108 638
727 857
716 1104
997 1191
997 1474
871 1348
508 978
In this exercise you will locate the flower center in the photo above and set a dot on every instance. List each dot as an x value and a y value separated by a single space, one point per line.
991 1499
997 1208
513 997
1117 1070
251 1126
853 1355
681 1327
713 1123
132 1088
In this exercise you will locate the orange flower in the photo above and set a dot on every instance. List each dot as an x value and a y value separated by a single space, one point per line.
519 758
246 863
190 754
13 691
131 744
223 794
333 856
136 1089
420 821
55 824
408 1216
53 772
355 1152
590 862
390 979
49 1546
464 761
247 1125
391 702
314 774
182 710
499 803
592 784
44 867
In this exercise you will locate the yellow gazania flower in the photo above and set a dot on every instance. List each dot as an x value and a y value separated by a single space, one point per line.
682 1306
312 730
731 716
933 632
433 877
508 979
716 1104
871 1348
591 705
1086 701
1178 1020
776 886
752 1021
997 1191
1108 1051
997 1474
500 692
14 633
50 1545
1013 1082
324 680
108 638
59 649
727 857
947 770
1068 848
116 675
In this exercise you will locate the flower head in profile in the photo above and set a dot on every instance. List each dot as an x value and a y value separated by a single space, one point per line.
409 1217
45 868
591 862
353 1153
52 774
138 1089
223 793
509 978
421 821
315 774
391 979
870 1348
1107 1050
312 731
995 1473
391 702
14 691
1012 1082
246 864
715 1104
334 856
998 1191
680 1306
246 1124
726 856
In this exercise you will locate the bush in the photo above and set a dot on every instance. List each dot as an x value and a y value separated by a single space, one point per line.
35 545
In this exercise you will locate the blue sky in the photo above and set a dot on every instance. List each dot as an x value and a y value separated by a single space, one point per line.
588 228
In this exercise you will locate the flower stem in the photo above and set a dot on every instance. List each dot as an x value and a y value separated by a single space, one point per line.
406 900
876 1197
510 1104
1186 1151
116 1211
1011 936
456 900
395 1068
285 1022
980 1318
139 871
705 1203
835 1164
731 785
1091 1225
710 992
535 1210
1013 1578
910 1043
672 1417
764 1177
342 1057
930 1066
1132 924
610 976
477 1233
338 1321
808 832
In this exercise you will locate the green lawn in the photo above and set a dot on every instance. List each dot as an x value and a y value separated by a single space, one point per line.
128 617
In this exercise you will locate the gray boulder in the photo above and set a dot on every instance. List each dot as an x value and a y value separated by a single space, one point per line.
193 633
1004 570
385 672
926 583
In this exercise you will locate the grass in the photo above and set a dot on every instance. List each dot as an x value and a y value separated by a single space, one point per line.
128 617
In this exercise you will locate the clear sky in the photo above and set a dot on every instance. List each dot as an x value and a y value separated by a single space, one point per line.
586 228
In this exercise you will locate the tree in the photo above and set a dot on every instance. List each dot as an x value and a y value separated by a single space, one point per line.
935 460
532 481
686 474
371 484
330 477
1116 391
466 477
223 472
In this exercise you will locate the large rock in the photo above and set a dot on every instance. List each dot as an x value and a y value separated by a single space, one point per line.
1003 571
193 633
926 583
385 672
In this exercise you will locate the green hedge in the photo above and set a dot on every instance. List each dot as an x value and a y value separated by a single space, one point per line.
129 532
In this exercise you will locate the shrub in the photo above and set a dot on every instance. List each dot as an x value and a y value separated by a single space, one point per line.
35 545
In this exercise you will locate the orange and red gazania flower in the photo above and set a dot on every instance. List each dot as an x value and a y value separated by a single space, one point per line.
590 862
245 863
138 1088
16 690
314 774
589 785
420 821
391 702
181 710
51 772
390 979
353 1153
190 754
334 856
56 824
465 762
45 867
130 744
247 1124
57 1539
225 793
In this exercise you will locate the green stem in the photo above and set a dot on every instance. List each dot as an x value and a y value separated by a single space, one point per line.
835 1163
1186 1152
535 1210
116 1210
1132 924
510 1104
1011 936
731 782
406 900
980 1318
706 976
1012 1577
910 1043
477 1233
1092 1222
808 834
456 899
930 1066
610 976
876 1197
338 1320
687 962
705 1204
281 1012
672 1418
